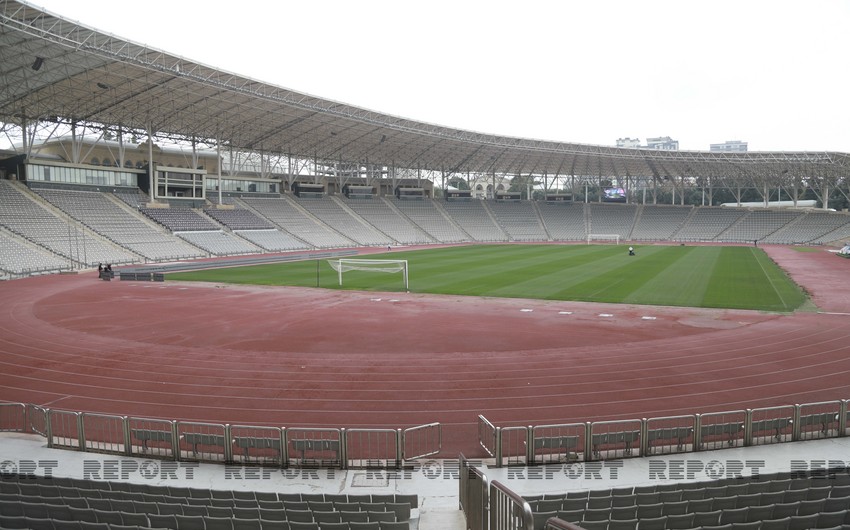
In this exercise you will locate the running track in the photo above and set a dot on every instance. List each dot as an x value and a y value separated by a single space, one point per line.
305 357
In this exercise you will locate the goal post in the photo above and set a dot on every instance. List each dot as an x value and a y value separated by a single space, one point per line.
391 266
615 238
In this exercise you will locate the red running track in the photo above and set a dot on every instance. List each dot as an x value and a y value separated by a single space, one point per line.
307 357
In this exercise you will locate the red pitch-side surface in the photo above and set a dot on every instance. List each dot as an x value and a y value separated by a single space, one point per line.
309 357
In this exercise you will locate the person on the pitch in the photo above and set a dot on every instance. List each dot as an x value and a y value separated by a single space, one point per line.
631 251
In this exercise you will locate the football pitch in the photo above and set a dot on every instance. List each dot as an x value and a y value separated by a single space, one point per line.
691 276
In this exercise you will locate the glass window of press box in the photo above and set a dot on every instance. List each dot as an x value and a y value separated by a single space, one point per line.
81 175
248 186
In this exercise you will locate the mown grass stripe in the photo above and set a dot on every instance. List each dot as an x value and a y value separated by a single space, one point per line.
726 277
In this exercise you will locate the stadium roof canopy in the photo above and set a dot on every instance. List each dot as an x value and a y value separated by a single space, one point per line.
56 69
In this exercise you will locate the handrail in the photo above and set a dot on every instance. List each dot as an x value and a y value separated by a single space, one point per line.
488 436
214 442
473 495
508 510
712 430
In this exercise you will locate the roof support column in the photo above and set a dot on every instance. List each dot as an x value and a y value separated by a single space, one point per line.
24 136
289 177
825 194
230 171
654 190
218 166
120 147
710 192
153 188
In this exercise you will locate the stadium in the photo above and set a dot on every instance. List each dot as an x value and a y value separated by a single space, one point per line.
520 340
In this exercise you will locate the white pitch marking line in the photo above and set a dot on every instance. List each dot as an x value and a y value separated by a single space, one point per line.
605 315
526 310
647 318
565 312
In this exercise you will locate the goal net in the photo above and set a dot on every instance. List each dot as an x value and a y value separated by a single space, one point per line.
607 238
391 266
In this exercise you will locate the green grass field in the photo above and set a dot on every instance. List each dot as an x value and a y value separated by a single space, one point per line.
692 276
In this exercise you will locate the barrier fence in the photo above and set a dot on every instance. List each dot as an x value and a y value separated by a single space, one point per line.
13 417
36 420
258 445
389 448
473 495
605 440
103 433
488 436
223 443
508 510
373 448
421 441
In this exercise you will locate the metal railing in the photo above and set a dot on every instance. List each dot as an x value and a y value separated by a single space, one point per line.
373 448
515 445
557 443
222 443
508 510
421 441
473 495
13 417
488 436
571 442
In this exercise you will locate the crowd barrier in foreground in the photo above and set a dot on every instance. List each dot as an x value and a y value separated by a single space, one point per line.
223 443
575 442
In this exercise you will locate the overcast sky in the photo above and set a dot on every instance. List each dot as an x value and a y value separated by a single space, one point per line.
773 73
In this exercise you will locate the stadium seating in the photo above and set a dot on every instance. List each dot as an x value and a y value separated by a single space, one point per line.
50 229
706 224
659 223
519 220
180 219
388 220
756 225
101 214
38 223
20 258
611 219
772 501
475 219
238 219
59 503
344 221
287 215
219 243
431 219
565 221
273 240
812 227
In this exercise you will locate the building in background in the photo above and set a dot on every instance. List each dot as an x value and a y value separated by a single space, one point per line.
730 146
662 143
631 143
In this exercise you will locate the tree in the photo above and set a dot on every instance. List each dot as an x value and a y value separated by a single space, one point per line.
459 183
522 183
